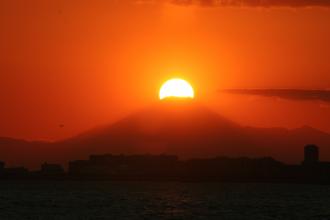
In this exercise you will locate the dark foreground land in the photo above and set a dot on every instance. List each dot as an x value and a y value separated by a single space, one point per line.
162 200
110 167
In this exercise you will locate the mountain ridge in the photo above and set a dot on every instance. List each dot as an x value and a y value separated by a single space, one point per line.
184 129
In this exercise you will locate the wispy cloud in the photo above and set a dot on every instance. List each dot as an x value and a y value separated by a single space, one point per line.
291 94
253 3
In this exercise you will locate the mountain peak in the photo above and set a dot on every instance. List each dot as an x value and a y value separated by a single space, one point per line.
178 127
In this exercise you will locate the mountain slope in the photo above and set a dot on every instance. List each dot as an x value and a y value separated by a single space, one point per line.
188 130
183 128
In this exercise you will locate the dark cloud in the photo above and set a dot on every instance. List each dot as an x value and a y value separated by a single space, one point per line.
292 94
256 3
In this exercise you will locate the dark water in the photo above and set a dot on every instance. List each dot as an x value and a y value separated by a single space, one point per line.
152 200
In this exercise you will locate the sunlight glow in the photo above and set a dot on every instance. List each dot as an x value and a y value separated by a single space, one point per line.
176 88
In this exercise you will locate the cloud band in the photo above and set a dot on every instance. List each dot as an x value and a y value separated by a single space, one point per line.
291 94
255 3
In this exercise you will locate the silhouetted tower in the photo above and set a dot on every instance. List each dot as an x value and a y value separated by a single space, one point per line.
311 154
2 167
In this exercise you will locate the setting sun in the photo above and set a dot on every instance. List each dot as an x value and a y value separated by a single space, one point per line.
176 88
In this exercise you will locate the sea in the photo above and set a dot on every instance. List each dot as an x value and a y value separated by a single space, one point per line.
162 200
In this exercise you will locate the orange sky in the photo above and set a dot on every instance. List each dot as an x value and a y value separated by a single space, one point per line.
86 63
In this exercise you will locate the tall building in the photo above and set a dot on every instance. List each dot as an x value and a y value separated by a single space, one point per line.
311 155
2 167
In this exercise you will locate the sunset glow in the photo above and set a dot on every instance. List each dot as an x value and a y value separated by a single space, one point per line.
176 88
70 66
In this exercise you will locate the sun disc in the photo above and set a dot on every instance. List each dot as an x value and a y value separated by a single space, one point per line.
176 88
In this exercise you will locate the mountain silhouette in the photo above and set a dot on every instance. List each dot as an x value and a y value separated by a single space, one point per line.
183 128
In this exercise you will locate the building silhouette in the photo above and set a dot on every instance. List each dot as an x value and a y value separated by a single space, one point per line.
16 172
2 166
51 169
170 168
159 167
311 155
125 166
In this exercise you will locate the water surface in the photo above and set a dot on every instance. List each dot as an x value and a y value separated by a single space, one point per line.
162 200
